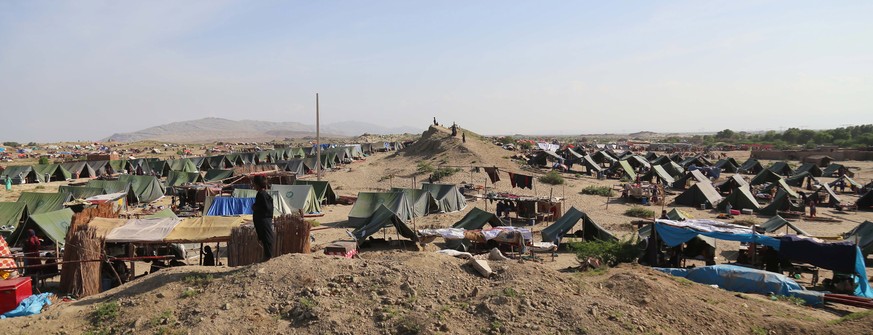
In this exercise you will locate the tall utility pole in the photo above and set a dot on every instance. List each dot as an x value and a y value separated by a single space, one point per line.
317 141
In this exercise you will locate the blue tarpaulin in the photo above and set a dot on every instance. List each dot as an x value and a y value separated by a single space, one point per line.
29 306
738 279
227 206
674 233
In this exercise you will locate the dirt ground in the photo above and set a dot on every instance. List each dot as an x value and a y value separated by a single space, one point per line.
403 289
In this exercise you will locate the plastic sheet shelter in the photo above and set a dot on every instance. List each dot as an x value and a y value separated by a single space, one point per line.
674 233
299 197
448 198
228 206
383 217
422 201
368 202
699 194
53 224
590 230
323 190
12 213
476 219
774 224
781 203
216 175
738 279
38 203
81 192
80 169
204 229
143 230
178 178
145 188
812 168
740 198
845 257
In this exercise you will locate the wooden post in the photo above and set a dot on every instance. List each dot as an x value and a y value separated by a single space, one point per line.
317 140
201 254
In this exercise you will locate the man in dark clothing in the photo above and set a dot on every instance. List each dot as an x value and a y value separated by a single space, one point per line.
262 212
208 256
31 251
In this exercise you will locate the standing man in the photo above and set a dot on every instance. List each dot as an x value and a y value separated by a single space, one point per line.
464 137
262 211
434 121
8 183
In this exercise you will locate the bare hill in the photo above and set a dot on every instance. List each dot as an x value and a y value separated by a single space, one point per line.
218 129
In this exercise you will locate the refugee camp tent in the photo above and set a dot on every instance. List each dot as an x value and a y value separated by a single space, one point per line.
247 158
740 198
775 223
810 168
476 219
673 169
20 174
677 158
145 188
833 199
604 157
262 157
624 168
862 236
184 165
178 178
661 160
367 148
214 175
590 230
448 197
694 160
143 230
158 168
798 178
650 156
543 157
323 190
198 163
834 169
11 214
865 201
727 166
299 197
382 217
113 186
280 207
99 167
38 203
590 165
781 203
781 184
369 202
637 161
677 215
765 176
81 192
80 169
658 171
54 171
118 166
53 225
218 162
751 166
698 176
422 201
818 160
298 167
699 194
733 181
118 200
781 168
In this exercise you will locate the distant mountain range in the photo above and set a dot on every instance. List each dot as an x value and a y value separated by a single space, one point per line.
213 129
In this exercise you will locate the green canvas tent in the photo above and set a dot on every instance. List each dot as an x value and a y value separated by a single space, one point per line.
448 198
112 186
184 165
214 175
11 214
118 166
811 168
54 225
299 197
198 162
658 171
673 168
79 169
637 161
775 223
865 202
166 213
698 176
740 198
296 166
145 188
476 219
781 203
322 188
751 166
218 162
694 160
732 182
660 160
20 174
863 236
591 166
295 153
676 215
833 199
99 167
382 217
781 168
624 168
369 202
834 169
422 202
765 176
677 158
158 168
280 207
604 157
38 203
178 178
54 171
590 230
81 192
727 165
700 193
798 178
782 185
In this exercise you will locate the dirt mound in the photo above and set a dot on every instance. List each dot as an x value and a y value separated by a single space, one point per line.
438 142
420 293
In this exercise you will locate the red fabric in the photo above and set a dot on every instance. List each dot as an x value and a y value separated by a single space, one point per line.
31 245
5 263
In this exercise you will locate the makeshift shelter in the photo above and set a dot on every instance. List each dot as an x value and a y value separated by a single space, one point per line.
143 230
53 225
738 279
178 178
118 200
740 198
810 168
323 190
369 202
79 169
228 206
751 166
54 171
862 236
476 219
448 198
20 174
145 188
765 176
11 214
781 168
99 167
775 223
421 200
216 175
727 165
204 229
38 203
590 230
300 197
382 217
81 192
781 203
280 207
701 194
834 169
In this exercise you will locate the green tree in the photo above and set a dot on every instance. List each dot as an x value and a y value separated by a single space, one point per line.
43 160
791 135
12 144
806 135
823 137
725 134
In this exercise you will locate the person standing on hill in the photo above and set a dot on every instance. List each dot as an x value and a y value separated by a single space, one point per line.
434 121
464 137
454 129
262 211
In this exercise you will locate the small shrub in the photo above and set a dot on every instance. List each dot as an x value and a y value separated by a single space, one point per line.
609 252
106 312
639 212
853 316
510 292
409 325
43 160
314 223
189 293
198 280
552 178
605 191
425 167
443 172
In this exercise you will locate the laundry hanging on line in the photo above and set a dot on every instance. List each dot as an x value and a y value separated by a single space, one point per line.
493 174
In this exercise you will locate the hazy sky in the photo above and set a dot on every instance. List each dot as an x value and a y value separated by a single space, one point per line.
87 69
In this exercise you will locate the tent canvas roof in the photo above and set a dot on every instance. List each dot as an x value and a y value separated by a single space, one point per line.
476 219
765 176
865 201
81 192
214 175
369 202
80 168
422 201
323 190
863 233
663 174
204 229
38 203
740 198
700 193
11 213
280 207
781 168
53 224
780 203
751 166
299 197
590 229
776 222
145 188
177 178
383 217
143 230
589 163
448 198
812 168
